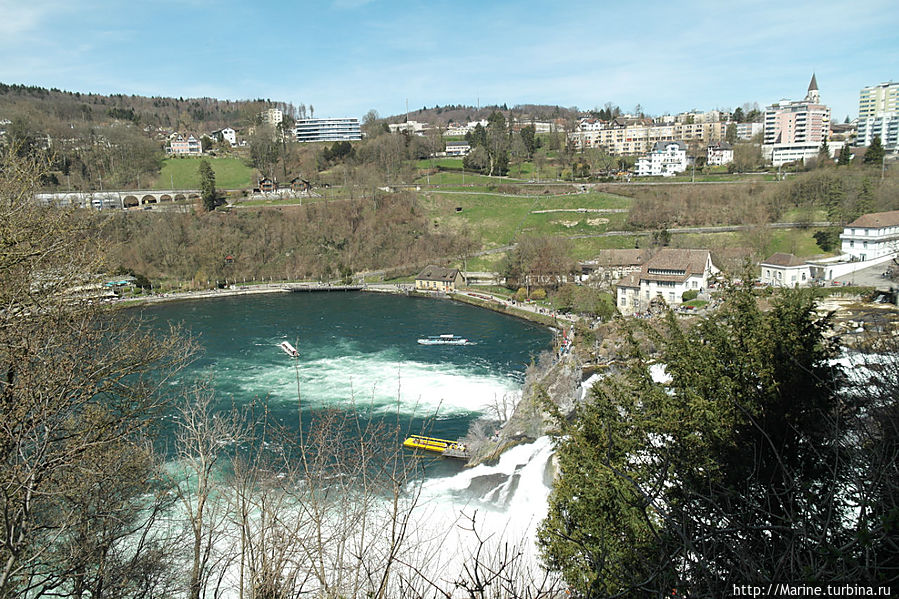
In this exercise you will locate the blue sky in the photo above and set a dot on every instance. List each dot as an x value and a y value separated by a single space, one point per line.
345 57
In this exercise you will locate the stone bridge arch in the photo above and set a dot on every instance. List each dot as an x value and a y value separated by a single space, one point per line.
149 199
130 201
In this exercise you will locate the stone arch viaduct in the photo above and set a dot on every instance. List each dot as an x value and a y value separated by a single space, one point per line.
121 200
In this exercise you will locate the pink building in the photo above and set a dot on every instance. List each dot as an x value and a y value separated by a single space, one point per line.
800 122
181 146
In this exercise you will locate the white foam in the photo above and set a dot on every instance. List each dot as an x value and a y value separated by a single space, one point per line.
380 380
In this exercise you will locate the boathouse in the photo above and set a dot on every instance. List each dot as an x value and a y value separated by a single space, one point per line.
437 278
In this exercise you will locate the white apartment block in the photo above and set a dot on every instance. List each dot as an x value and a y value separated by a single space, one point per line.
872 236
878 99
885 126
749 130
457 148
272 116
666 159
339 129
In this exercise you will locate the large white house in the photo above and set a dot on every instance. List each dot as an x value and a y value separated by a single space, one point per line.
720 153
785 270
665 159
872 236
667 275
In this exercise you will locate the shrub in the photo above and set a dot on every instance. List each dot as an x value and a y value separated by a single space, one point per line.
690 294
539 294
521 294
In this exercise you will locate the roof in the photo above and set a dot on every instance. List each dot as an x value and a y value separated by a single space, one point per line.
661 146
813 84
631 281
783 259
438 273
685 263
877 220
608 258
721 145
456 143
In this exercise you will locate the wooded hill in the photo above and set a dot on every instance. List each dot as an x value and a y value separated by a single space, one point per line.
52 108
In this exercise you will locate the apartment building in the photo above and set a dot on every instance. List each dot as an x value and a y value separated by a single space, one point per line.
719 153
272 116
339 129
878 115
184 146
634 136
666 159
795 130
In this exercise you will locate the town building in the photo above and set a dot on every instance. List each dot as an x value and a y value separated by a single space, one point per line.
272 116
339 129
408 127
667 275
666 159
720 153
749 130
630 136
785 270
457 148
878 116
878 99
872 236
437 278
610 266
795 130
227 134
180 145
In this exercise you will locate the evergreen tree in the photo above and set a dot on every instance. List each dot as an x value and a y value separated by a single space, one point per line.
207 185
728 473
824 154
845 155
875 152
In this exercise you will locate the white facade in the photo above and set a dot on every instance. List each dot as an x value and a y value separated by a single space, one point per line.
666 159
720 154
785 270
667 275
341 129
749 130
885 126
409 126
457 148
272 116
228 134
872 236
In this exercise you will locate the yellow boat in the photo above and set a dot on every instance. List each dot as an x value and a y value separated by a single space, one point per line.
451 448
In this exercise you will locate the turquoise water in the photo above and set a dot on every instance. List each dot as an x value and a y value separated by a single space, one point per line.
357 351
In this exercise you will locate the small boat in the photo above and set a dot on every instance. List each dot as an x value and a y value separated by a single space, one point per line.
451 449
443 340
289 349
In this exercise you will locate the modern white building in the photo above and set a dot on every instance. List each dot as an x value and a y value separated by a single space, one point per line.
785 270
872 236
885 126
666 159
666 275
409 127
340 129
457 148
720 153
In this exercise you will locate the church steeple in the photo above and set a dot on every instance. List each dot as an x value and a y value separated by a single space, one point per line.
813 95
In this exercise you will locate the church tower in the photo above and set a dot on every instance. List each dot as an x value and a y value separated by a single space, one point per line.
813 96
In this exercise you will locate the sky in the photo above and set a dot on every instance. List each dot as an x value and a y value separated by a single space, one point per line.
345 57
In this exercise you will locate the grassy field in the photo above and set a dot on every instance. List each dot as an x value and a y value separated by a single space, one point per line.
183 173
497 220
